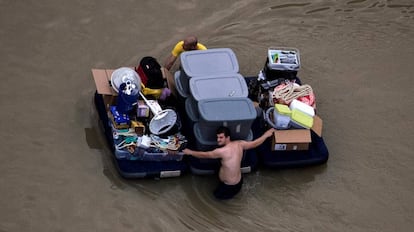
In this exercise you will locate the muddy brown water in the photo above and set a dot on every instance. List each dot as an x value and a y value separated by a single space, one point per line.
57 175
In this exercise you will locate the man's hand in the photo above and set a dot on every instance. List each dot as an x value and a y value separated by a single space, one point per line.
270 132
187 151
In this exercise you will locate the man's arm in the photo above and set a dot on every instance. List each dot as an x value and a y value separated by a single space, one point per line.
169 62
255 143
202 154
178 48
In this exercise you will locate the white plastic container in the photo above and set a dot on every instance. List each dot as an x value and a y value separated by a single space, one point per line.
281 116
283 59
305 108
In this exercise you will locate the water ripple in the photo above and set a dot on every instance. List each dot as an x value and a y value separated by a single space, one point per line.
399 6
290 5
318 10
355 2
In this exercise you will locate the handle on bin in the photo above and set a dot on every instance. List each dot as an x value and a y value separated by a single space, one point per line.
267 117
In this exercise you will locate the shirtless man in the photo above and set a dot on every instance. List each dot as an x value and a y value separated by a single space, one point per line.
231 154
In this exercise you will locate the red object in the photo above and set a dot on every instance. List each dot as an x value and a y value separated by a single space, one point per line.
142 75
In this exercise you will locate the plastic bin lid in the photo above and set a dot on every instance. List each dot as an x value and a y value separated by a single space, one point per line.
209 62
283 109
227 109
218 86
305 108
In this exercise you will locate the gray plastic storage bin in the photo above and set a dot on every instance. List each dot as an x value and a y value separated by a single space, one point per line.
206 138
209 62
237 114
218 86
143 155
181 85
191 109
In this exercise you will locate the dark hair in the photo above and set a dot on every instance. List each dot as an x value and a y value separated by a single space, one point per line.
223 129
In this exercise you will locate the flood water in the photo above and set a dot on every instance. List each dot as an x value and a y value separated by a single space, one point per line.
56 173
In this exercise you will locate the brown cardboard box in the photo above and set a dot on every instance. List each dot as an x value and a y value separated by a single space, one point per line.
317 125
296 139
293 139
102 78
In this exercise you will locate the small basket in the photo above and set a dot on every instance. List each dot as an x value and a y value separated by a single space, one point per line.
283 59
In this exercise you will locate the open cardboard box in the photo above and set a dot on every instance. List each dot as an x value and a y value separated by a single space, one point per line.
102 78
296 139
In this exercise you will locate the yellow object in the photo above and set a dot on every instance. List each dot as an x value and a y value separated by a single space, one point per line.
302 119
153 92
138 127
178 48
283 109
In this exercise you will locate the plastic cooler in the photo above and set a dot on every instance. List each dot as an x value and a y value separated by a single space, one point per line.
302 114
237 114
305 108
218 86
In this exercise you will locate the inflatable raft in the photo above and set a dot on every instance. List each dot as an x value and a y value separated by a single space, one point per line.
207 91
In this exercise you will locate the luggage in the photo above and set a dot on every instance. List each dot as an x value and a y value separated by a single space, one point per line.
149 71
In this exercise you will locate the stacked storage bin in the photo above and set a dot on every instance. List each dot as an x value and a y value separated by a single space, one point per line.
199 64
203 63
215 94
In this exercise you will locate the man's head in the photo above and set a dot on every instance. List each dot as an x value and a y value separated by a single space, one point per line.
190 43
223 135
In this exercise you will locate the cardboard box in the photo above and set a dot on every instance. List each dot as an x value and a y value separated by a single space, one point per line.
296 139
102 78
317 125
293 139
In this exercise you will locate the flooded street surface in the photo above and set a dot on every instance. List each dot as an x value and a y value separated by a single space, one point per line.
56 172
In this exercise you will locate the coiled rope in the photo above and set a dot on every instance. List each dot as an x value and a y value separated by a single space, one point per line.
290 91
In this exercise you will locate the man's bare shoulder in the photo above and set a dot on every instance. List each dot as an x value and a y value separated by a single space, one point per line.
241 143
